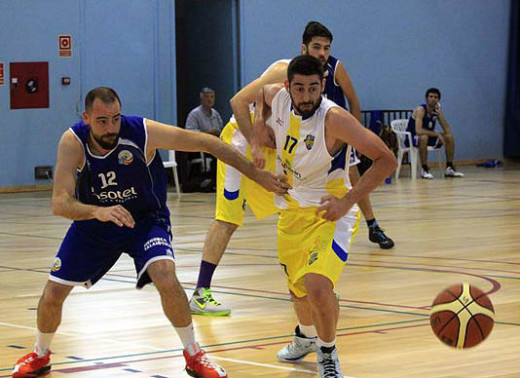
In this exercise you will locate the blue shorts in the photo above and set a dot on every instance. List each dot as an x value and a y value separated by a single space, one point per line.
91 248
433 141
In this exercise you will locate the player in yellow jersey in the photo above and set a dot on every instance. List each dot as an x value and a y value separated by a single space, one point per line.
234 191
318 216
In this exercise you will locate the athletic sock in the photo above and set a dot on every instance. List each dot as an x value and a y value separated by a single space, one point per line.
328 345
206 274
187 336
372 223
308 331
449 164
43 342
425 168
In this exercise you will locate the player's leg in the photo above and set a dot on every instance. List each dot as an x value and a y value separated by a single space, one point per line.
50 306
218 236
375 233
75 264
422 144
229 213
304 339
449 146
176 308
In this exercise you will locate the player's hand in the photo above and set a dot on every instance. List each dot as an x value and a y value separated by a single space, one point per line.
441 138
116 214
258 156
332 208
273 183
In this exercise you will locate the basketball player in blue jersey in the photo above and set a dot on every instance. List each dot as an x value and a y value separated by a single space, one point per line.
421 125
318 216
235 191
110 181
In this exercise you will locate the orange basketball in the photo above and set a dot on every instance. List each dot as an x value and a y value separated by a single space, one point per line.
462 316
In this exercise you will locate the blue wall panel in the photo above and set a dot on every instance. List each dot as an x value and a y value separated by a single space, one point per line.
395 50
126 44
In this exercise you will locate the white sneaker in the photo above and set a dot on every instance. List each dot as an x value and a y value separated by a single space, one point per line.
450 172
328 364
426 175
298 348
203 303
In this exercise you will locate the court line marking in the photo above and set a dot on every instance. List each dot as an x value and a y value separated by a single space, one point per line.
82 336
265 365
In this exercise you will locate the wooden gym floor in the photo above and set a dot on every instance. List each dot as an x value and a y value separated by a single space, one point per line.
446 231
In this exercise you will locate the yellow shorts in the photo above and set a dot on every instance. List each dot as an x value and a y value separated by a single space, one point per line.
234 190
309 244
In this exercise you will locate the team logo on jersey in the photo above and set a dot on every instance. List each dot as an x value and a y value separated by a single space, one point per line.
309 141
56 265
125 157
312 258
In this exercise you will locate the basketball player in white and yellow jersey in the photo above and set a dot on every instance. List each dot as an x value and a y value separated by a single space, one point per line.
318 216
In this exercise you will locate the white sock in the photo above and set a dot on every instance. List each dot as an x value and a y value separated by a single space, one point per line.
43 342
308 330
187 336
327 344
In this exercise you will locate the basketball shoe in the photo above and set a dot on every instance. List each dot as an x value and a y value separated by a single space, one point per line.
377 235
203 303
451 172
328 363
299 347
200 366
31 365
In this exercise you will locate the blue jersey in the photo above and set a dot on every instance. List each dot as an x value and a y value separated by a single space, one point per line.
123 177
428 121
332 90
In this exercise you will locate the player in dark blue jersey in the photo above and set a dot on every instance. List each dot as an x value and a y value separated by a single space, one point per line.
421 125
316 41
110 181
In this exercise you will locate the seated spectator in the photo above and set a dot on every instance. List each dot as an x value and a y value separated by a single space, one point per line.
204 118
422 127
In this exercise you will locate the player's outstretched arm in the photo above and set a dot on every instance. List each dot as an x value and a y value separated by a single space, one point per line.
169 137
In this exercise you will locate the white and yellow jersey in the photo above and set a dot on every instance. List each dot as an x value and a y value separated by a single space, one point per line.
302 155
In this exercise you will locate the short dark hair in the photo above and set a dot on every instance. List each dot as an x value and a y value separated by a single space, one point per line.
315 29
433 90
206 90
105 94
304 65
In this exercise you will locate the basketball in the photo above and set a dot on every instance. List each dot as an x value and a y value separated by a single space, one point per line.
462 316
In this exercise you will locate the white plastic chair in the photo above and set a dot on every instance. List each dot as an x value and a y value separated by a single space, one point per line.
172 163
204 162
399 127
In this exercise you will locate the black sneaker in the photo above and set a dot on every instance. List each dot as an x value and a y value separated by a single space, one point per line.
377 235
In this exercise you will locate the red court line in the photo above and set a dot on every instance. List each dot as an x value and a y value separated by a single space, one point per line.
442 266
